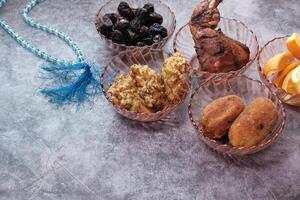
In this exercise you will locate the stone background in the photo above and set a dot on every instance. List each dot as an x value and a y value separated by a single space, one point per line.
49 153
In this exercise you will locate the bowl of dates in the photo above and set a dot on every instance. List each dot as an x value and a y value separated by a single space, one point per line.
127 25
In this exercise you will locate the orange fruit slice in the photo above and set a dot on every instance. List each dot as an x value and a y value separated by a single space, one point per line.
279 79
296 75
278 63
296 79
288 84
293 45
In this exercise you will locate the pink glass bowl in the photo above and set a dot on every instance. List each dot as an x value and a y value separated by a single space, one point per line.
272 48
234 29
246 88
120 64
169 21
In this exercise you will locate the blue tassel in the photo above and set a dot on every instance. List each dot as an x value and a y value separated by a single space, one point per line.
77 83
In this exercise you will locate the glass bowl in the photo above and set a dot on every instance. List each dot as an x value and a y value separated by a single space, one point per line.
272 48
246 88
169 21
120 64
232 28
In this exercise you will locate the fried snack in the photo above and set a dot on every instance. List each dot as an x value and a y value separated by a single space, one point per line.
174 74
254 123
141 91
123 94
217 117
149 87
145 91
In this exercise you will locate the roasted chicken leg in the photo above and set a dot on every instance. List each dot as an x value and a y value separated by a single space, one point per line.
215 51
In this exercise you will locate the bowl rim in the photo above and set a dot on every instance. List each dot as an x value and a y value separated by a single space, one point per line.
244 68
154 45
260 146
169 108
263 76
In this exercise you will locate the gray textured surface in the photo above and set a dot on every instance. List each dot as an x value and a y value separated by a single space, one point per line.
48 153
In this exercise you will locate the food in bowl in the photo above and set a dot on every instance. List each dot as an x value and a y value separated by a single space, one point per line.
243 126
218 116
284 68
253 124
133 26
145 91
215 51
174 74
140 91
293 44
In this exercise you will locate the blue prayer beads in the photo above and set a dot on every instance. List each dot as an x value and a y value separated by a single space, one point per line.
50 30
77 90
45 28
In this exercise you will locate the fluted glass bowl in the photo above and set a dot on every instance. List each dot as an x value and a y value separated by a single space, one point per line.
244 87
232 28
120 64
169 21
272 48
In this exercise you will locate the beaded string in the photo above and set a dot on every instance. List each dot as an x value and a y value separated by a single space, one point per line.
75 88
50 30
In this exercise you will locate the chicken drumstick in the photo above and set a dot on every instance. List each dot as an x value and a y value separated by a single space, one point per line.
215 51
